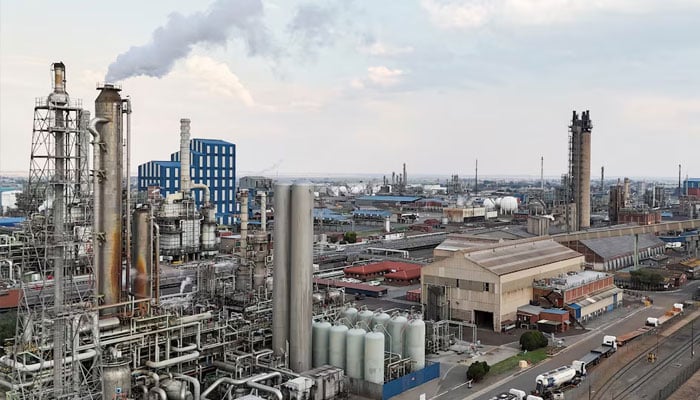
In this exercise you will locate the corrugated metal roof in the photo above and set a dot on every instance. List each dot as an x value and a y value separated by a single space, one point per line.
620 246
511 258
389 199
554 311
530 309
371 213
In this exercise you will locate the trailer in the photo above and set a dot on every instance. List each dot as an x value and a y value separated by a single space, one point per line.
627 337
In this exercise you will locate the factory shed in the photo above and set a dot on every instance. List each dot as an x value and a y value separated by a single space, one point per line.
486 285
609 254
385 200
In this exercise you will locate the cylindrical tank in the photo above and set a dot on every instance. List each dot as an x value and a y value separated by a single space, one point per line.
374 357
350 316
336 348
355 353
108 197
320 332
280 288
301 256
116 380
415 343
397 325
364 318
381 318
176 390
142 254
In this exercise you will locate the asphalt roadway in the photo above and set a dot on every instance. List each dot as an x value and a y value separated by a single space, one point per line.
583 344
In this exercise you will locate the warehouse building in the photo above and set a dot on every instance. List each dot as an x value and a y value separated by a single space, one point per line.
609 254
212 162
486 285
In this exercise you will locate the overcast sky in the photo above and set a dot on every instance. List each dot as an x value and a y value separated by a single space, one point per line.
362 86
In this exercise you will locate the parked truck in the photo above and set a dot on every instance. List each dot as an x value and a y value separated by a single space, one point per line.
567 376
515 394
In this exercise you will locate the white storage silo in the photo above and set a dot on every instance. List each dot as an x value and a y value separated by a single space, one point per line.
336 350
382 318
320 332
397 325
364 318
374 357
350 316
355 353
415 343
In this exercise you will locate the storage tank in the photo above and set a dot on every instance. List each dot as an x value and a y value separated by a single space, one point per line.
320 332
374 357
116 380
415 343
397 325
355 353
336 348
350 316
380 318
555 378
509 205
175 390
489 204
364 318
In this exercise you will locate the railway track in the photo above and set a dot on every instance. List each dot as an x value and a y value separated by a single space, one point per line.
639 362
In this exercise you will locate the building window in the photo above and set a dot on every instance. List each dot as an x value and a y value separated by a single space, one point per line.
486 287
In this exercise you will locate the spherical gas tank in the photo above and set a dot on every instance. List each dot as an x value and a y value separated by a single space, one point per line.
397 325
415 343
355 353
336 353
320 332
364 318
350 316
374 357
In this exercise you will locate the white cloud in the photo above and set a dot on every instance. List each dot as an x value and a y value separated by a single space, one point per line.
466 14
459 14
378 48
216 77
384 76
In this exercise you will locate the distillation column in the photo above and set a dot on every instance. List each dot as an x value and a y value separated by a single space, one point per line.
108 192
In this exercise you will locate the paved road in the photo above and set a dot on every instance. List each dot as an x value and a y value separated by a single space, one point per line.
526 380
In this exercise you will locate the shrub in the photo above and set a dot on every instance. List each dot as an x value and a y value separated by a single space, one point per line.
532 340
477 370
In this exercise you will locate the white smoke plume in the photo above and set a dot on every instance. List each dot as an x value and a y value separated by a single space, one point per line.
180 34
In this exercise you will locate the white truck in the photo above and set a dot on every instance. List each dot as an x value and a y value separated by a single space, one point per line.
571 375
515 394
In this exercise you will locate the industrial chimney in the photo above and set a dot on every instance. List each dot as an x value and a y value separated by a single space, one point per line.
580 168
185 181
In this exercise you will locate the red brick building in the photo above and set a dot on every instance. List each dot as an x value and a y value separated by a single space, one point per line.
567 289
639 217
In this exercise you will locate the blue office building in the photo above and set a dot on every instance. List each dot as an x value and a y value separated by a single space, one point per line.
212 162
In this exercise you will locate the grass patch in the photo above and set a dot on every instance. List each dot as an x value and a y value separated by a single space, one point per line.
511 363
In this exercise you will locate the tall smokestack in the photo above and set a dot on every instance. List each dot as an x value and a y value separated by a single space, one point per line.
580 130
542 175
108 192
244 221
405 177
476 177
680 190
185 181
301 260
602 178
263 211
627 192
281 273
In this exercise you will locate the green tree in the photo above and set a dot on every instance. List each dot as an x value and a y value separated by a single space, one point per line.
477 370
350 237
646 277
532 340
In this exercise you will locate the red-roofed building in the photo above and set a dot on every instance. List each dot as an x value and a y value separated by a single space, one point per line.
392 271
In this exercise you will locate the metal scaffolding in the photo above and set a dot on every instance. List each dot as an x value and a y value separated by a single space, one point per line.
56 269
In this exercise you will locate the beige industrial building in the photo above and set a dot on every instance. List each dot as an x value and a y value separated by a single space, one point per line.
486 285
